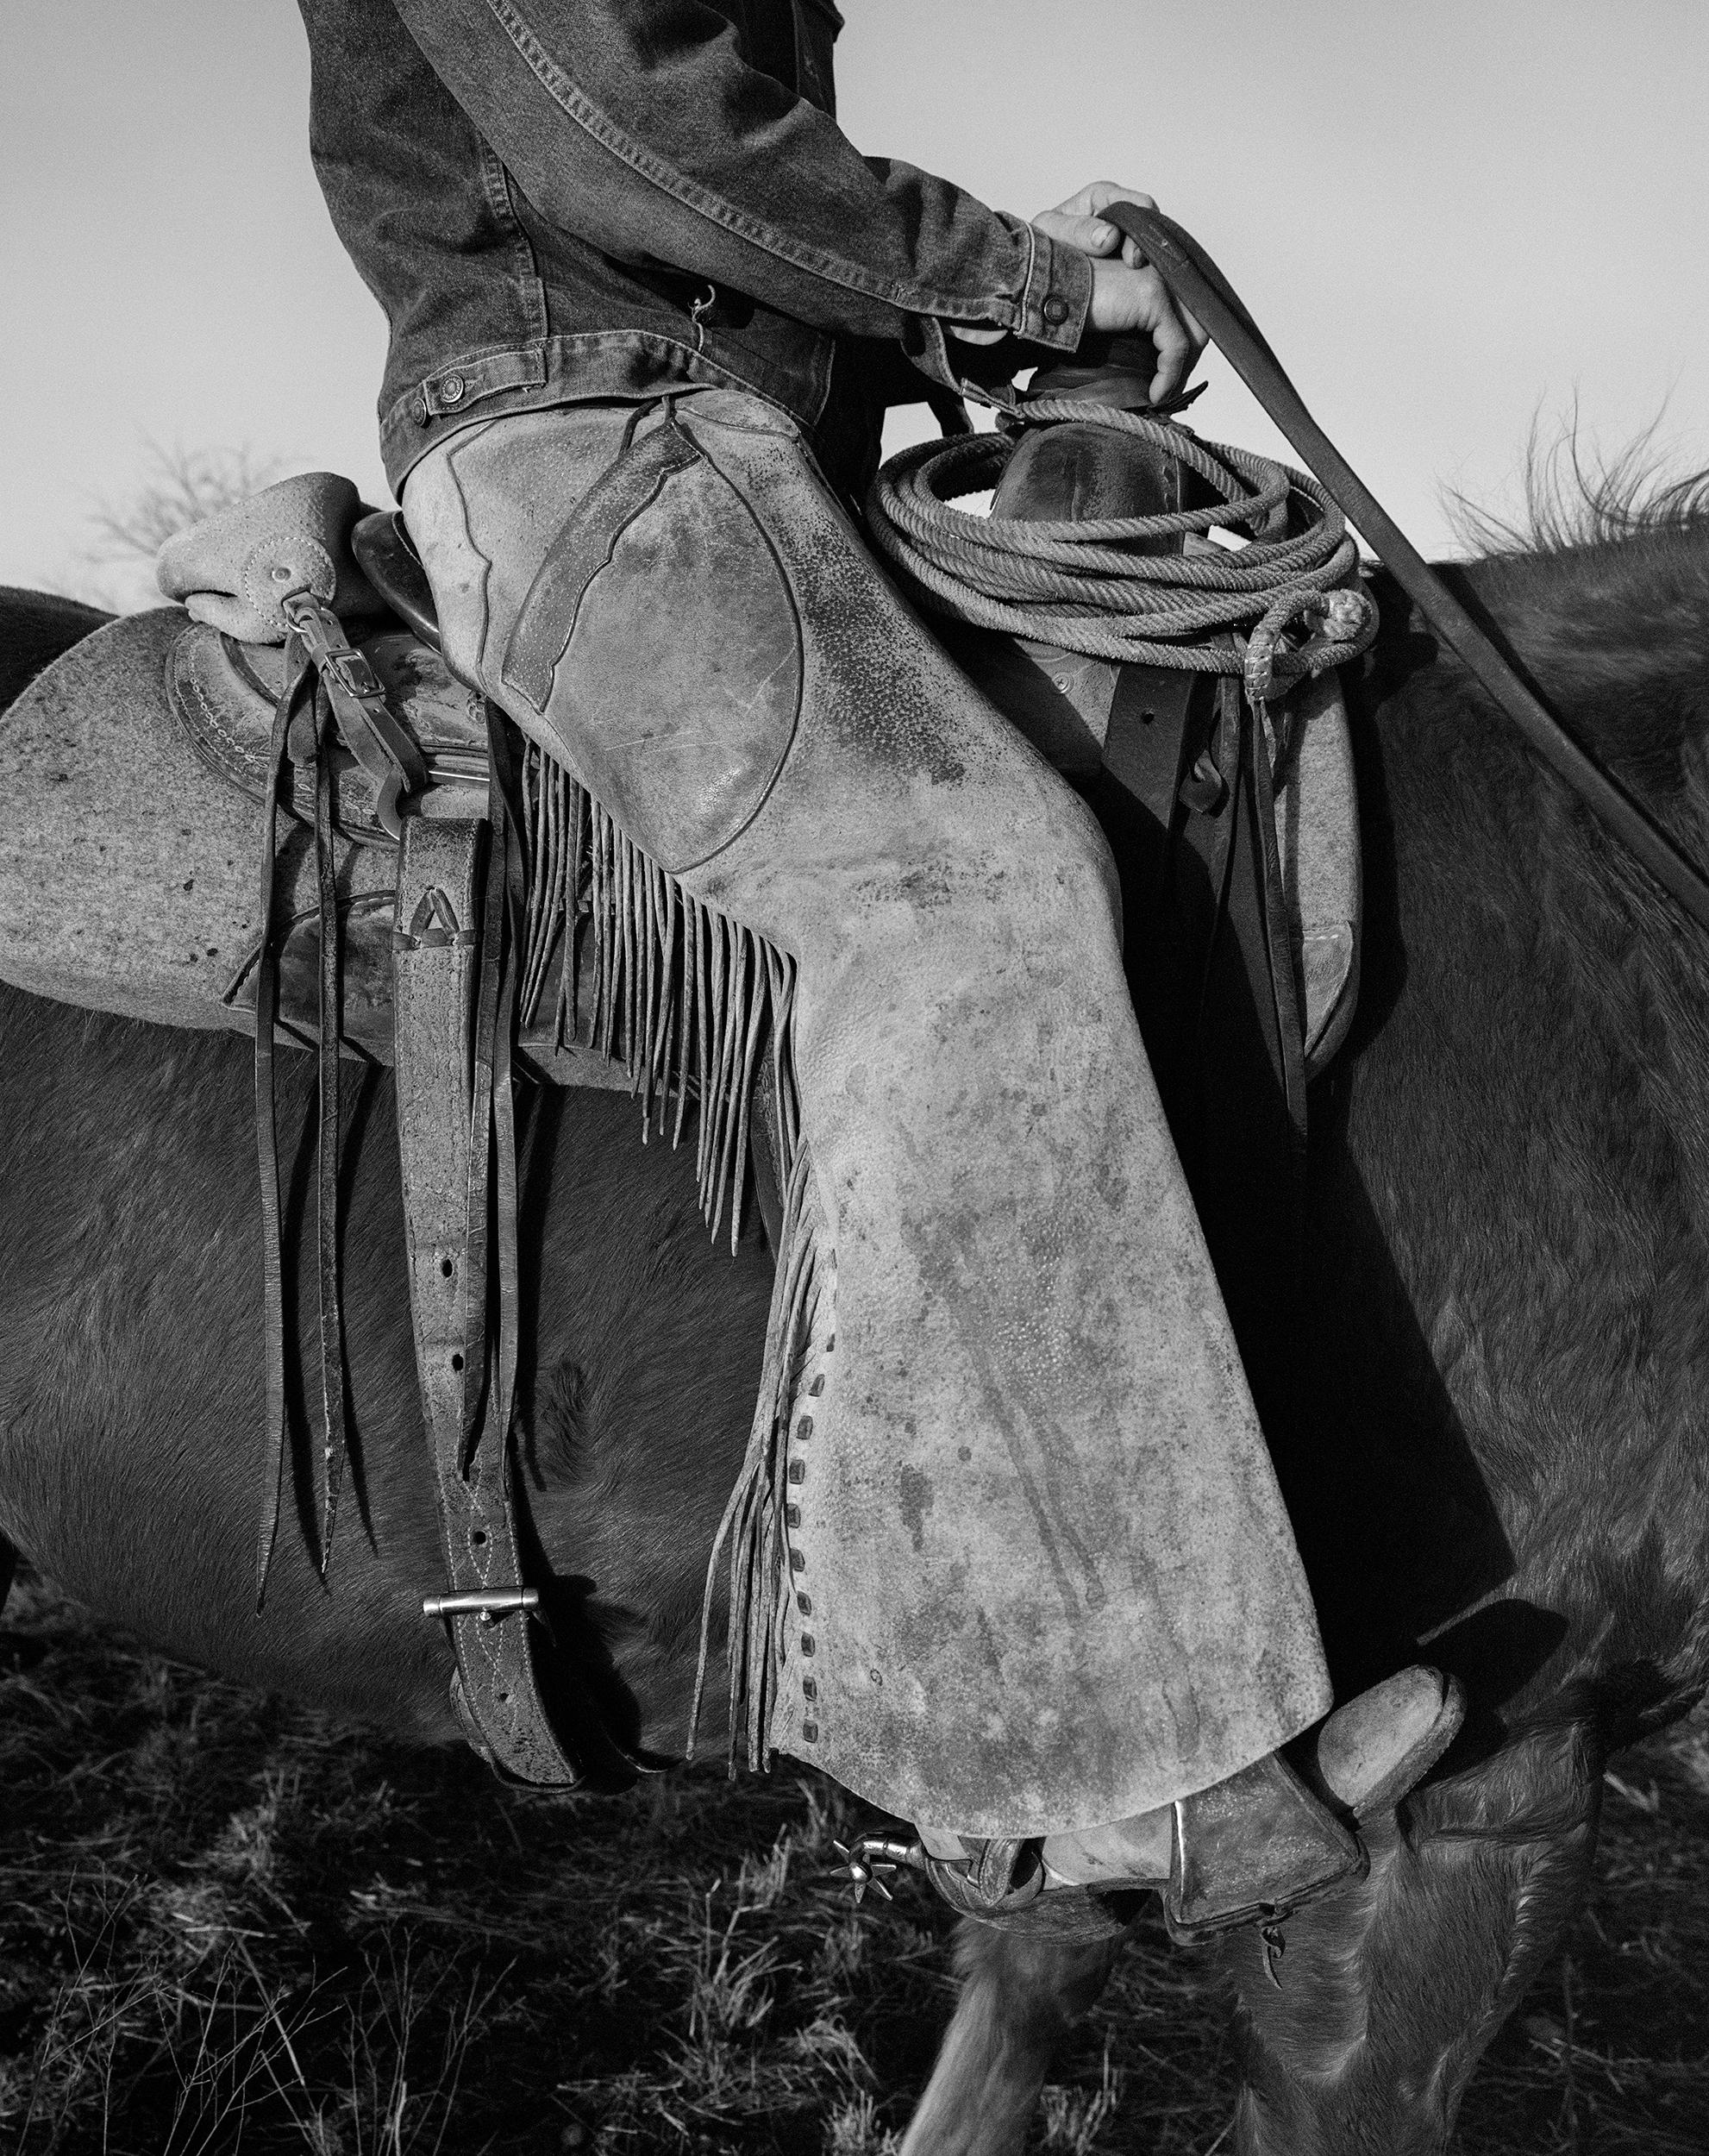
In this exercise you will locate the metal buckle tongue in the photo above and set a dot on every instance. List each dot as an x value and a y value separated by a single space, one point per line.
490 1604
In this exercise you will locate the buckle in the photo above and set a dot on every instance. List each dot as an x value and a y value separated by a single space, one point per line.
490 1604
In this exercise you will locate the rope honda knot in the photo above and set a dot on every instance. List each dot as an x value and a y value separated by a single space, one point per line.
1346 623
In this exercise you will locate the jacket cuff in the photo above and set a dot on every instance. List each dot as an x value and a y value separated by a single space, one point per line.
1057 296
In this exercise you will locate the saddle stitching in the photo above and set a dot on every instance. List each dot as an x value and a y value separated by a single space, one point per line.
184 685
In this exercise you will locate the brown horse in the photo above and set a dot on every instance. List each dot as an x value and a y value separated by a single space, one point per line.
1498 1452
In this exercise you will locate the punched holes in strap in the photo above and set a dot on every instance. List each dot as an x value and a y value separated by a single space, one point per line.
445 1135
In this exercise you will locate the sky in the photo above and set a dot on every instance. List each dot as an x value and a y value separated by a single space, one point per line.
1454 222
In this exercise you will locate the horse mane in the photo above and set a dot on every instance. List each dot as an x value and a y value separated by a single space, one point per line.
1575 498
1600 588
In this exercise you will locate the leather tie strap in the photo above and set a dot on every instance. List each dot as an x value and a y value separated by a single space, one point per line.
298 674
1194 279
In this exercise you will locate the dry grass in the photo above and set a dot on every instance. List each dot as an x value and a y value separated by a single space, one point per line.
224 1924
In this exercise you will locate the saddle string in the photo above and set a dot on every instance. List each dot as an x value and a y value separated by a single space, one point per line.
507 906
296 673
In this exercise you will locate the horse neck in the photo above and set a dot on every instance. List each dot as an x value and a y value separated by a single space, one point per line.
1513 1165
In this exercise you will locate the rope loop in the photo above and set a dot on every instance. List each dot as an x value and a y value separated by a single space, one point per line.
1099 586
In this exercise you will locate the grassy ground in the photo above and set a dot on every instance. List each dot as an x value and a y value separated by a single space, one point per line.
226 1924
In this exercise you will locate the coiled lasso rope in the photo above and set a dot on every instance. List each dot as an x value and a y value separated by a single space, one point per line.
1086 587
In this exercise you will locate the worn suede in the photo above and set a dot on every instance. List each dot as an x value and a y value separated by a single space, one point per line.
233 569
1040 1575
129 868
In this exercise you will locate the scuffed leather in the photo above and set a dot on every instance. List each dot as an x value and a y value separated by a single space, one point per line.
128 863
129 850
232 568
675 611
1256 1845
444 1188
222 695
1042 1572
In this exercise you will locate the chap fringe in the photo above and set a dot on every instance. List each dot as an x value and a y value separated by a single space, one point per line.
688 999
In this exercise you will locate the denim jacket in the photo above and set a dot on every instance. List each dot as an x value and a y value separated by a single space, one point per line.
564 199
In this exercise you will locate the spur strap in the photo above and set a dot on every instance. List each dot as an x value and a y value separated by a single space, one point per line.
444 1076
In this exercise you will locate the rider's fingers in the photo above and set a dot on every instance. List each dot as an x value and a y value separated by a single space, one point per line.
1089 234
1103 192
1090 199
1189 322
1176 347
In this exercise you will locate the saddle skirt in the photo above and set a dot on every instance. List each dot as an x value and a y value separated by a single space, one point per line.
136 768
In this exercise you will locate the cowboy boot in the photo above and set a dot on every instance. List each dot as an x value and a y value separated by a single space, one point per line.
1015 1554
1249 1851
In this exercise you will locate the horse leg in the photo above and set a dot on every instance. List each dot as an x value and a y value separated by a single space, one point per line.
1363 2035
1019 1995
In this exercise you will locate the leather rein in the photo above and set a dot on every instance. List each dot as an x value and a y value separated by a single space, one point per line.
1194 279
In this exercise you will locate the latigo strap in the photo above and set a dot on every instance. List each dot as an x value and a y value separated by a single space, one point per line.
444 1110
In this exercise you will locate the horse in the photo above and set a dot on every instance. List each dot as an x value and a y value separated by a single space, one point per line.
1498 1464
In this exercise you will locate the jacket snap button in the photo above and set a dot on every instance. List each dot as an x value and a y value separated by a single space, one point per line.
451 388
1056 312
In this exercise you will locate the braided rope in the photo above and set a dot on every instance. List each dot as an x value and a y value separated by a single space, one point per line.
1087 587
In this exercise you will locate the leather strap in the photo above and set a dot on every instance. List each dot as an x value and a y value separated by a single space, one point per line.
507 889
1194 279
330 1028
298 672
385 750
444 1126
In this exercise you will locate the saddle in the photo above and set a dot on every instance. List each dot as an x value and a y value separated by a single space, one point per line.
224 696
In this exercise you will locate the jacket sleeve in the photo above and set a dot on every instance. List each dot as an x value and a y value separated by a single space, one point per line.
637 125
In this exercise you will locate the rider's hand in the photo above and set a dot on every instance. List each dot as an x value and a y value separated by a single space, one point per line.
1126 293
